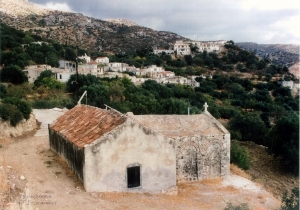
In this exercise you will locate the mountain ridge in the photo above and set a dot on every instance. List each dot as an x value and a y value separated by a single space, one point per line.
91 33
20 8
281 54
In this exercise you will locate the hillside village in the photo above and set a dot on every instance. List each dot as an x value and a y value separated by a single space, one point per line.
101 67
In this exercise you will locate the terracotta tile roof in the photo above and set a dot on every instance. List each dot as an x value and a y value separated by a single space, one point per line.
83 124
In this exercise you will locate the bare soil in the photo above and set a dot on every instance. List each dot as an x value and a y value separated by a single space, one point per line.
49 184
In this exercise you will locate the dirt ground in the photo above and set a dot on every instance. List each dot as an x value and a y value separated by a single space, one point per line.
49 184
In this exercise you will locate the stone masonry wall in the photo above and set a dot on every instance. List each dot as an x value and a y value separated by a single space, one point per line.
202 157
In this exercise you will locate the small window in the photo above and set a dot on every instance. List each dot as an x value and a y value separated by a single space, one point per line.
60 77
133 177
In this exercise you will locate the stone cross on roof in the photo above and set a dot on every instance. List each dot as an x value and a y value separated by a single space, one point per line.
205 107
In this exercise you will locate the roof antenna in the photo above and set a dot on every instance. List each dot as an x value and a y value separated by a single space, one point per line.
84 93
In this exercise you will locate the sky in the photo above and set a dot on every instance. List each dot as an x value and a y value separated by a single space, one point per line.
260 21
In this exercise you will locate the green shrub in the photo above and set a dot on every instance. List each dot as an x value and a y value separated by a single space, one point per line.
250 125
43 104
239 155
235 135
227 113
10 112
292 202
243 206
19 91
24 107
283 141
13 74
44 74
53 102
3 91
4 112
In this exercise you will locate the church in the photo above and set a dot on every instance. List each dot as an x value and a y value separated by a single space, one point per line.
114 152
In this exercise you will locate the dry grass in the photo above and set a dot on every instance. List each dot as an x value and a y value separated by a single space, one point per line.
215 181
237 171
68 171
3 176
4 188
229 189
262 198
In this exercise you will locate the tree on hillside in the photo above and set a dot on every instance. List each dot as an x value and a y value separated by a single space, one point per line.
250 125
13 74
52 59
283 140
43 74
24 107
27 39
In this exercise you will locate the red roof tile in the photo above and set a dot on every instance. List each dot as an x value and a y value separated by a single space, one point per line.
83 124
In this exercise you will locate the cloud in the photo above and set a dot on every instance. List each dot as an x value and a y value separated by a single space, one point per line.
261 21
270 4
58 6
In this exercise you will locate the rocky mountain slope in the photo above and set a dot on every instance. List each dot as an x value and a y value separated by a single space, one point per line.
295 70
115 36
283 54
18 8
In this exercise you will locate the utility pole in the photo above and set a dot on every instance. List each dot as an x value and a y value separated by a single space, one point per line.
76 61
46 62
76 70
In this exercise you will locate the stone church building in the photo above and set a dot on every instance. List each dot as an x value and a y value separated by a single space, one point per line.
110 151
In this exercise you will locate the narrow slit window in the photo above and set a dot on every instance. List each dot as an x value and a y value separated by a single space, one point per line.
133 177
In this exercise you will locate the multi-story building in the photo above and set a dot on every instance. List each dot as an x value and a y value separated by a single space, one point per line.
182 48
209 46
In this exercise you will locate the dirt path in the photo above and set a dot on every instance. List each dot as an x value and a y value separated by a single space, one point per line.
51 185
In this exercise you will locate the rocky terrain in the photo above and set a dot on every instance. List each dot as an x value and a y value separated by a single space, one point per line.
121 21
283 54
295 70
18 8
113 35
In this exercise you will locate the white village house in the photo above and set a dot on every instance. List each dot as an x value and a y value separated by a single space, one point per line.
183 47
102 60
85 57
34 71
67 65
116 66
